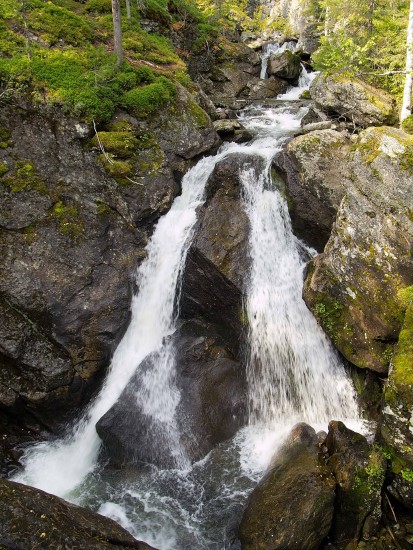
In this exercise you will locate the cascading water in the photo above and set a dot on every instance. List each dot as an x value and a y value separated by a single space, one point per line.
272 48
294 374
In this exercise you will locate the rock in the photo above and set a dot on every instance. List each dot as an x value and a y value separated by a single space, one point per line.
396 425
284 65
74 227
359 471
263 89
232 130
313 115
325 125
351 288
292 506
211 409
31 518
207 294
302 23
353 100
315 168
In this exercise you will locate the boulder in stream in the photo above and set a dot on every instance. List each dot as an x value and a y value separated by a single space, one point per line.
285 65
292 506
31 518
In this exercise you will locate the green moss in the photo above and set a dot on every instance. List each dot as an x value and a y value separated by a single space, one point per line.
121 144
407 124
24 176
116 168
199 115
406 159
147 100
98 6
328 312
407 475
5 135
3 168
68 219
305 95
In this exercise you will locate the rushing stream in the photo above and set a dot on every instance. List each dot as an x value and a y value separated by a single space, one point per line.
293 372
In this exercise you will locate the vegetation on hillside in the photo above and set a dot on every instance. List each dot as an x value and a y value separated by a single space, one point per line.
62 51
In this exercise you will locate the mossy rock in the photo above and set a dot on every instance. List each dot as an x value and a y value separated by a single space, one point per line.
23 176
121 144
68 219
407 124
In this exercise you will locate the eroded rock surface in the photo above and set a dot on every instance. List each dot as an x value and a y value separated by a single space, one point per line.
353 100
292 506
31 518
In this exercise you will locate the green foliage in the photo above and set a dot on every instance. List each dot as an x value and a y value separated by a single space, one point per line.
3 168
364 38
407 475
407 124
328 313
141 102
98 6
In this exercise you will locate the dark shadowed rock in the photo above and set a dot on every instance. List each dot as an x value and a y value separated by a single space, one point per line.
315 168
292 506
284 65
31 518
211 409
354 100
359 471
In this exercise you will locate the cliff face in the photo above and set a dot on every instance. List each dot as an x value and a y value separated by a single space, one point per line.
73 230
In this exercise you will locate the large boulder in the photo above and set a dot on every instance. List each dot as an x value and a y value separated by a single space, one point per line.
352 288
359 471
353 100
31 518
292 506
316 175
211 407
284 65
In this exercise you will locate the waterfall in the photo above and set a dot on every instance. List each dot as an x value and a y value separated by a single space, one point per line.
152 320
293 373
272 48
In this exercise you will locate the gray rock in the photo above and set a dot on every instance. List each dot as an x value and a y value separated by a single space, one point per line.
352 288
292 506
212 406
325 125
316 168
31 518
353 100
284 65
359 471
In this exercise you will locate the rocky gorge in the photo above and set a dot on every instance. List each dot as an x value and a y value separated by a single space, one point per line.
75 227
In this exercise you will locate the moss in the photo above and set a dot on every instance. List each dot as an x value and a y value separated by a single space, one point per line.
328 312
121 144
116 168
197 114
25 177
305 95
68 219
5 135
120 126
407 124
103 209
3 168
147 100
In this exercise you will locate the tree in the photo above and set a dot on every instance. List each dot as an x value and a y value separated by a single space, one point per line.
407 92
117 31
128 12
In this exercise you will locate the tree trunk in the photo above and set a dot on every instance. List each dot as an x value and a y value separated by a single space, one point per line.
128 14
117 31
407 93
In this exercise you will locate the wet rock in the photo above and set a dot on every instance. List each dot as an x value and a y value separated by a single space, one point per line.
284 65
292 506
31 518
315 168
231 129
73 228
353 100
314 126
351 288
359 471
211 409
263 89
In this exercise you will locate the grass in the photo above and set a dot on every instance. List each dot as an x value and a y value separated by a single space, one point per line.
68 58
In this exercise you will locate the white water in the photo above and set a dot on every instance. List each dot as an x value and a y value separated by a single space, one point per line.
294 374
274 48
